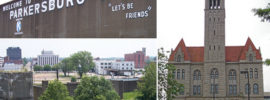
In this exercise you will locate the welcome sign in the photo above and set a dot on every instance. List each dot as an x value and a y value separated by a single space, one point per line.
78 19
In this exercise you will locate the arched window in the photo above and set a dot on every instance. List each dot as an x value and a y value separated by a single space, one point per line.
232 74
246 88
179 58
250 57
218 4
251 73
178 73
255 89
256 73
210 4
215 4
183 74
214 73
197 75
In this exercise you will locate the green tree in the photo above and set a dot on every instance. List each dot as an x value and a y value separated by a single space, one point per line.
56 66
38 68
95 88
55 91
167 83
263 13
47 68
147 86
24 61
67 66
83 61
267 62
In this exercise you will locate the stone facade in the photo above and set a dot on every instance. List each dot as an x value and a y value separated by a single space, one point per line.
213 71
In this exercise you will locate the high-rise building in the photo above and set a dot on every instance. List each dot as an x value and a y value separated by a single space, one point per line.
47 58
214 70
138 57
14 53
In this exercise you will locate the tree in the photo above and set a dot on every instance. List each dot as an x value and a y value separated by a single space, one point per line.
24 61
263 13
168 87
38 68
84 62
56 67
147 86
267 62
67 66
55 91
95 88
47 68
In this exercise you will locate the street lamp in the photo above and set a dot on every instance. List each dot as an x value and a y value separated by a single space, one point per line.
246 72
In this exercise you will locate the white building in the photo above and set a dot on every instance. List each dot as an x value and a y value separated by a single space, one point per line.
2 61
47 58
12 67
104 66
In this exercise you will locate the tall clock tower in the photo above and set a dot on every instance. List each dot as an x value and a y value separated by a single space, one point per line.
214 80
214 35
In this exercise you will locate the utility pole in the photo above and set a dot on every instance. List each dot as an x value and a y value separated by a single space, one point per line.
246 72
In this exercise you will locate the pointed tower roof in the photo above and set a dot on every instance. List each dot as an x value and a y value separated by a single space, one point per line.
249 44
181 45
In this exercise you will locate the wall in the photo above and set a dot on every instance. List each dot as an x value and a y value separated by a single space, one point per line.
16 85
92 19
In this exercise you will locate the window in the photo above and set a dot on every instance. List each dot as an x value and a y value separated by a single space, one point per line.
178 73
215 4
230 89
218 4
214 89
255 89
183 74
246 74
214 73
182 90
199 90
250 57
256 73
233 90
179 58
196 75
196 90
214 32
251 73
246 88
232 74
210 4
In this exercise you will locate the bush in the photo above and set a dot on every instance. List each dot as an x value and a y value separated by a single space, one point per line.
55 91
95 88
38 68
73 79
47 68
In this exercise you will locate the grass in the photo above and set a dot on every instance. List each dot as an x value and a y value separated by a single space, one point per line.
131 95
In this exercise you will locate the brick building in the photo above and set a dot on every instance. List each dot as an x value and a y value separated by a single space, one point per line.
138 57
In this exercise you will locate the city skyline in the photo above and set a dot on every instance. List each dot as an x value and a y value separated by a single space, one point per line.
65 47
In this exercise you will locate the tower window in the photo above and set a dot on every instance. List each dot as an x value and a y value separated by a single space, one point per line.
209 47
214 32
218 5
210 4
215 4
214 47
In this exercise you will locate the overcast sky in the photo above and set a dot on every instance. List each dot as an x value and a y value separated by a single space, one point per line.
185 19
65 47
